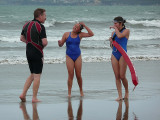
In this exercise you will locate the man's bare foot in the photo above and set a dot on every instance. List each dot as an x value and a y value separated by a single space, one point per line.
35 100
81 94
23 98
119 99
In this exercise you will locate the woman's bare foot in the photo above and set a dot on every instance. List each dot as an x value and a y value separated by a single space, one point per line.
119 99
82 94
126 95
69 95
23 98
35 100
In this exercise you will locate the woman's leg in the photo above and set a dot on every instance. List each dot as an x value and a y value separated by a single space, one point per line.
123 68
119 111
70 68
70 110
115 66
78 69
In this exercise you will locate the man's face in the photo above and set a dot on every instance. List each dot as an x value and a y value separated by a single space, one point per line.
43 17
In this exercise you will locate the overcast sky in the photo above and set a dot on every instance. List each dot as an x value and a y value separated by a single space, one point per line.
81 2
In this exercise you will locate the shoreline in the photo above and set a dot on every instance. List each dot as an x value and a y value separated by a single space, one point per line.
98 79
23 61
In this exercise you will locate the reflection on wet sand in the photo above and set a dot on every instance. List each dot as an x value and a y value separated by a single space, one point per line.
25 114
70 110
119 111
135 117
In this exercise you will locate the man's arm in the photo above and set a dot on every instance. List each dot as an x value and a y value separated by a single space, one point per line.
44 42
22 38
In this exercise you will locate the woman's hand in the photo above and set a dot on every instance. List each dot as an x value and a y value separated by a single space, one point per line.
114 27
83 34
111 40
82 23
60 43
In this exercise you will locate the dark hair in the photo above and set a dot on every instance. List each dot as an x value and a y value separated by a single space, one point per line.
120 20
81 26
38 12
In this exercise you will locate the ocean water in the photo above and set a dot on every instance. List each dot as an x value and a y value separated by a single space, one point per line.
143 22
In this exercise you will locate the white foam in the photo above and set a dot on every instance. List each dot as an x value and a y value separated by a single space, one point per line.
155 23
144 58
50 23
85 59
10 39
6 22
53 22
2 16
143 36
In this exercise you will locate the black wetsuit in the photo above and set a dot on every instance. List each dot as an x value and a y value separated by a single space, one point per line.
34 32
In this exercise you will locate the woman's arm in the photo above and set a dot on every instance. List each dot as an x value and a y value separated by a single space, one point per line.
111 40
89 34
125 33
63 40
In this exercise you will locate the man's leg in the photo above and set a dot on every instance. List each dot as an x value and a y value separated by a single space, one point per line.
26 87
36 84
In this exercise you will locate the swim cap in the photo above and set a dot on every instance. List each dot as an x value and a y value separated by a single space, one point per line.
119 19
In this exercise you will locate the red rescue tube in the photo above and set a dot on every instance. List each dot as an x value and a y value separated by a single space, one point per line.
129 63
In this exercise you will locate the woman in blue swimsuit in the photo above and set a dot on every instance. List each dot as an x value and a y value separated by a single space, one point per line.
118 63
73 53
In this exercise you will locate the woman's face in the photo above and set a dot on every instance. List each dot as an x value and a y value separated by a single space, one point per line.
118 25
76 28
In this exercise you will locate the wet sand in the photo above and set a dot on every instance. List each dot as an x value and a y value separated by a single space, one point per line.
99 90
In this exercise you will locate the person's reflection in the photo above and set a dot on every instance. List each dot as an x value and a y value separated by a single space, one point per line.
35 113
119 111
70 110
25 114
24 111
135 117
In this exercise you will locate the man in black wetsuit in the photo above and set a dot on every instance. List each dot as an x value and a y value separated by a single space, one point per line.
34 35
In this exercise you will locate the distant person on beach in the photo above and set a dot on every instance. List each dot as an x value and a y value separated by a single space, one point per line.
34 35
118 63
73 53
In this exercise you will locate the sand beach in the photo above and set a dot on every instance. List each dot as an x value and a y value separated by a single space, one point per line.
98 102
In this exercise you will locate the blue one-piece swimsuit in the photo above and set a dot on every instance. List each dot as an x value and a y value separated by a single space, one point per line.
123 43
73 49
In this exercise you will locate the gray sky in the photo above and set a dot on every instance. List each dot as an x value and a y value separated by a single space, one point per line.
81 2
